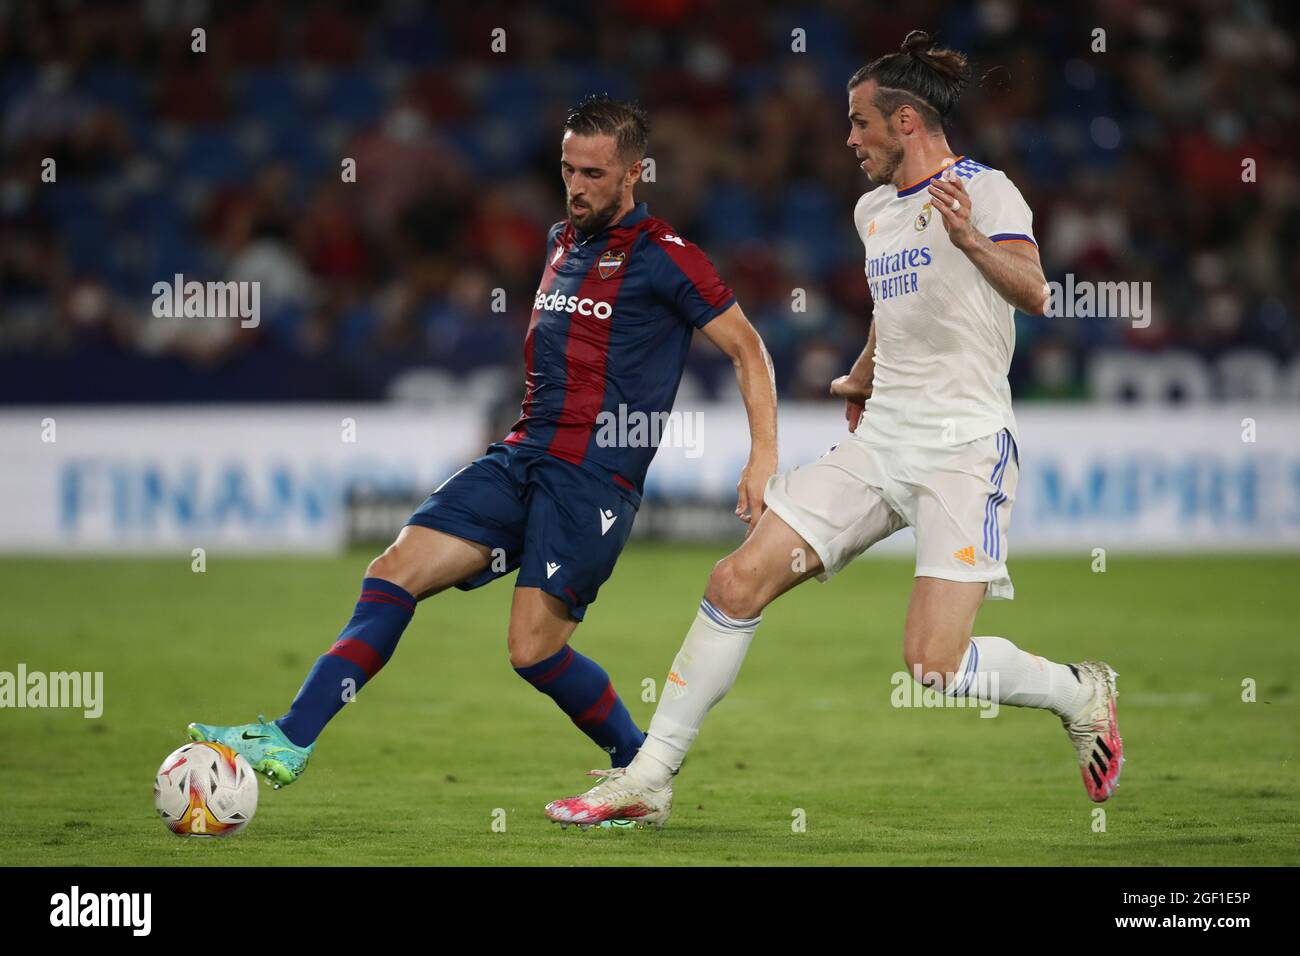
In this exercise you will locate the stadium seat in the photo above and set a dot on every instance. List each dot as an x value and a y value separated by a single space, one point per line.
352 96
270 95
212 154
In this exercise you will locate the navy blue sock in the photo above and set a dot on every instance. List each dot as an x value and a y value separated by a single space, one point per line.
584 691
366 644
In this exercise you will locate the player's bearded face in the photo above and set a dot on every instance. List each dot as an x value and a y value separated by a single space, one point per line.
878 147
594 175
589 217
884 157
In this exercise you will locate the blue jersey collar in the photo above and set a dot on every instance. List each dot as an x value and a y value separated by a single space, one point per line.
916 187
634 215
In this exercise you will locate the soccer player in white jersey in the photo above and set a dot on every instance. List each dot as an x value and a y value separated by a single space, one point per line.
950 255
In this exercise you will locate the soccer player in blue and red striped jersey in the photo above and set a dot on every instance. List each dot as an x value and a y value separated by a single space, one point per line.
620 297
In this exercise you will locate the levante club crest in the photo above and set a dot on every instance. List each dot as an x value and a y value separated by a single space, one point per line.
609 263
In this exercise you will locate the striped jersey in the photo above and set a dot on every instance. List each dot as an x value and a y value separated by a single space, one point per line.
944 335
611 324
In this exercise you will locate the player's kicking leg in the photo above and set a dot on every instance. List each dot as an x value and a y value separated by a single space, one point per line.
576 528
771 561
937 647
562 527
421 562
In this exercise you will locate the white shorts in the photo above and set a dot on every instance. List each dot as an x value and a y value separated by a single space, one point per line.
957 501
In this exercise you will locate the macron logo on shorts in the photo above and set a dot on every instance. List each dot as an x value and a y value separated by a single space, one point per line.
551 568
607 519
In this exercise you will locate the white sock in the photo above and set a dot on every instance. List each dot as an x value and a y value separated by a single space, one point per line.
994 668
702 673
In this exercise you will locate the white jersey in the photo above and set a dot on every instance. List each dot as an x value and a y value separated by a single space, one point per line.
944 335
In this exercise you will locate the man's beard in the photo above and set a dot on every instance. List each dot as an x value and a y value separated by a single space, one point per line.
593 220
893 159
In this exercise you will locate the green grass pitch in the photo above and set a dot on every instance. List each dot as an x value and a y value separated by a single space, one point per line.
413 771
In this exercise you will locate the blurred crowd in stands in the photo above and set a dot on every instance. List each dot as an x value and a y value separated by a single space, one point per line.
226 165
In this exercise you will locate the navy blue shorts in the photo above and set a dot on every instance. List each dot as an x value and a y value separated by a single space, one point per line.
562 526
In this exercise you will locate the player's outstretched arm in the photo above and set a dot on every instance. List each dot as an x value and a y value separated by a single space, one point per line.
734 335
1014 269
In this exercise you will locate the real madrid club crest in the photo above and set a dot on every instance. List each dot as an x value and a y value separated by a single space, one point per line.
923 219
609 262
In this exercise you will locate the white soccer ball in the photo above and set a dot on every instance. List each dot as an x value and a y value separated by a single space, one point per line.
205 789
